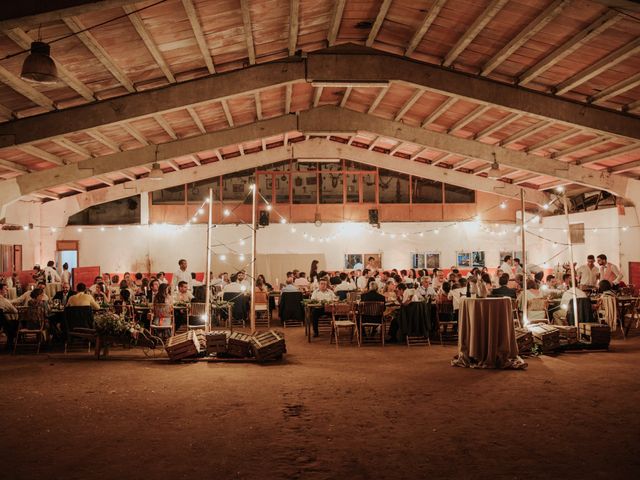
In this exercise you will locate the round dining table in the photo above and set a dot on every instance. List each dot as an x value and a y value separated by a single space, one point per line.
486 334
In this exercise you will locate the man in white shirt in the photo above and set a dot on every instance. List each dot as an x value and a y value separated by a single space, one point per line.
425 290
517 267
587 274
235 286
457 293
24 298
322 294
289 286
438 279
609 271
182 293
182 275
301 281
507 266
363 280
243 281
560 315
50 273
344 284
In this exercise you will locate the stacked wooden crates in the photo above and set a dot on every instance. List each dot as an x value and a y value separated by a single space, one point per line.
183 345
268 345
239 345
596 334
546 336
524 338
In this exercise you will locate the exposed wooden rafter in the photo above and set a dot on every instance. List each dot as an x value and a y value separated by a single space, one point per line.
377 24
431 15
26 90
294 24
192 15
336 20
248 31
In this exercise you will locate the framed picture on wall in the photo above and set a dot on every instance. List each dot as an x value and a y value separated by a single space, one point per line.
373 261
477 259
353 261
463 259
504 253
418 260
433 260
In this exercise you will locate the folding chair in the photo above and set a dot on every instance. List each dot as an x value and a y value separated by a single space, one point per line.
197 316
162 320
445 318
342 317
538 310
263 316
290 309
238 309
78 324
30 331
368 313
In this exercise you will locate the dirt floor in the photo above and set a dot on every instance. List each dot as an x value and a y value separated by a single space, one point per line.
353 413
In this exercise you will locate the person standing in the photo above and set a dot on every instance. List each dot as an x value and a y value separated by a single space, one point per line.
609 271
50 273
182 275
507 267
588 273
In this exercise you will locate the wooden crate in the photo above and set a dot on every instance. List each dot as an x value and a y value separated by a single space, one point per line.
524 338
268 345
239 345
546 336
183 345
596 333
217 341
568 334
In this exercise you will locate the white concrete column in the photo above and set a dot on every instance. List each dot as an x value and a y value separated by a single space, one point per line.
144 208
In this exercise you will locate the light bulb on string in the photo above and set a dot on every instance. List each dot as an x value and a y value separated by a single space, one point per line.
421 234
200 211
226 212
503 205
223 257
194 219
79 230
53 229
624 229
206 200
119 229
546 206
436 231
102 229
268 207
293 230
242 257
404 235
560 189
283 220
595 230
242 242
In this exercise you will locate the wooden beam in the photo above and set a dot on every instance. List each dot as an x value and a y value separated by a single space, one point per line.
138 24
373 143
294 25
625 167
196 119
408 104
485 17
227 113
631 107
525 132
26 90
462 163
13 166
440 109
127 174
173 164
377 24
345 97
287 98
328 119
20 37
596 28
608 154
594 142
192 15
258 103
524 35
38 152
248 32
430 16
74 147
617 89
47 194
165 126
554 139
463 122
336 20
106 181
442 158
597 68
317 93
196 159
96 135
133 131
378 99
526 178
497 126
75 186
89 41
37 12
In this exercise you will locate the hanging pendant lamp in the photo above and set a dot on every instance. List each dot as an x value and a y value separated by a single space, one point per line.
39 67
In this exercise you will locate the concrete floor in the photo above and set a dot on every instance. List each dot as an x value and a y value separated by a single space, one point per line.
356 413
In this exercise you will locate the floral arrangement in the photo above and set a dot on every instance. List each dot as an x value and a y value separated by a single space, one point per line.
109 324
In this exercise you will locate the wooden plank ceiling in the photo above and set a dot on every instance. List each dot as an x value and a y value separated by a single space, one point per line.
580 50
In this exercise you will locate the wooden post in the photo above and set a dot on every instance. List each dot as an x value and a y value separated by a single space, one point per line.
525 319
573 274
207 269
254 230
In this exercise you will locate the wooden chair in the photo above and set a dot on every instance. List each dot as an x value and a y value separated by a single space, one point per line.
78 324
342 317
367 312
31 331
239 308
198 316
517 322
608 312
263 316
353 296
445 318
632 313
290 309
541 307
160 313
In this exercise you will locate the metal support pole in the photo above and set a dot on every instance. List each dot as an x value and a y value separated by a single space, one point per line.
254 230
207 298
525 319
573 273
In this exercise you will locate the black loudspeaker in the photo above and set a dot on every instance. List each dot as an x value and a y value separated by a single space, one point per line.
263 221
373 217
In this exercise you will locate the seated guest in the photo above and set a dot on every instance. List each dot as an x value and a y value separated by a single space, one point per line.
114 287
138 280
123 304
503 290
443 293
363 280
37 310
26 296
162 305
301 281
438 279
161 278
344 284
82 298
101 293
290 286
424 291
566 302
457 293
372 294
97 281
267 285
244 281
234 286
182 294
9 316
485 280
335 279
389 291
64 294
322 294
194 281
127 278
533 292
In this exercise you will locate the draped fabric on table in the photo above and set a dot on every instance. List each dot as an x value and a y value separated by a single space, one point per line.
414 320
487 337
